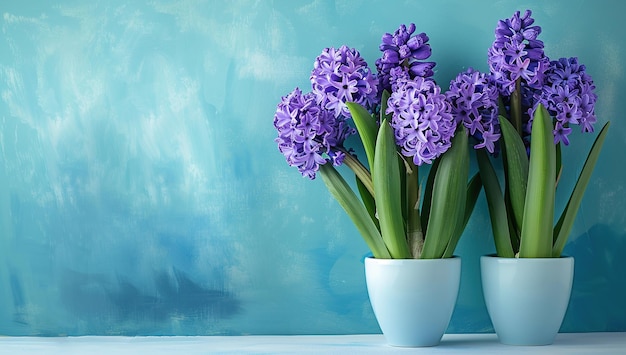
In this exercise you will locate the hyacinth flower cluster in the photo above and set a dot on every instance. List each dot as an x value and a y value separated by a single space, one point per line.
308 135
474 103
538 103
340 76
421 119
403 55
312 127
404 121
568 94
517 54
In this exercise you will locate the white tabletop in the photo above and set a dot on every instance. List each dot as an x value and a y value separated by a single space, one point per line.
573 343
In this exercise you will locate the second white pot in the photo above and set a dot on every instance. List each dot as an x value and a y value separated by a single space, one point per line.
527 297
413 299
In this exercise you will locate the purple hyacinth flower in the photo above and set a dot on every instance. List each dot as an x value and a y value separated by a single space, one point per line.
517 54
340 76
473 97
568 94
421 119
561 133
309 135
403 52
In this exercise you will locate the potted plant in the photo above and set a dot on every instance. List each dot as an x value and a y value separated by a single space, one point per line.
527 285
405 124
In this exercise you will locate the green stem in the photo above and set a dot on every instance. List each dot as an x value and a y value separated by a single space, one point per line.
414 226
516 107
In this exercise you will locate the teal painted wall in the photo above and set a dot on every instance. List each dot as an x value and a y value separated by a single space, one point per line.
141 191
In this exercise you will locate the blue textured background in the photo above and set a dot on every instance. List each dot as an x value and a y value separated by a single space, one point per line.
141 191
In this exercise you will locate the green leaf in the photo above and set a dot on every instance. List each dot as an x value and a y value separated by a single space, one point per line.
404 185
361 172
387 189
368 201
536 233
342 192
516 106
559 165
515 232
496 206
448 197
502 111
367 128
564 225
516 169
473 190
383 106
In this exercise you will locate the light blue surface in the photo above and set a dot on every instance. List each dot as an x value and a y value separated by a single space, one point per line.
141 191
583 343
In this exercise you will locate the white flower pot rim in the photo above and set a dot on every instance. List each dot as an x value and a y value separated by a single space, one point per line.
529 260
395 261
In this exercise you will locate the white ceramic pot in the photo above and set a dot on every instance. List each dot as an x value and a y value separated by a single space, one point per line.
413 299
527 297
